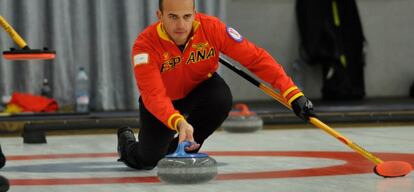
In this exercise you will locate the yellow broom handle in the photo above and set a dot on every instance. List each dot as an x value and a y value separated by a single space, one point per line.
13 34
269 91
317 123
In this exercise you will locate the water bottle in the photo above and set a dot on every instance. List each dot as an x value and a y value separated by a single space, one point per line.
82 91
46 91
5 99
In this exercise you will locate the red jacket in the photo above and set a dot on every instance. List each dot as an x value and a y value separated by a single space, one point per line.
163 73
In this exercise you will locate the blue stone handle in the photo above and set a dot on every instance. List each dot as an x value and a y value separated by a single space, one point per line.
180 152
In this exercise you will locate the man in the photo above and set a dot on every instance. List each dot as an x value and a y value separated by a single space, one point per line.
175 62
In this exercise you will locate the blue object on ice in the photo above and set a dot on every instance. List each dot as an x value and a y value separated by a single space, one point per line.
180 152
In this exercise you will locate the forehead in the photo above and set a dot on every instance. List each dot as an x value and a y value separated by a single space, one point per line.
178 6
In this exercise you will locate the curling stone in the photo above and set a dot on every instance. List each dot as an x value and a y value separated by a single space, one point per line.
242 121
2 159
4 184
186 168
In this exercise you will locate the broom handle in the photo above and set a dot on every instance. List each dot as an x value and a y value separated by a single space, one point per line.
13 34
313 120
317 123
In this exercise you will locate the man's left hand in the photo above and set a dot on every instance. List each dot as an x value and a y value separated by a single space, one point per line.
303 108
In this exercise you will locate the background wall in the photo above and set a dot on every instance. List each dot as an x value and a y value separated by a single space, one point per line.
98 34
388 27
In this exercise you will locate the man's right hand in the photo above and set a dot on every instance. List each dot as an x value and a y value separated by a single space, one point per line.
186 134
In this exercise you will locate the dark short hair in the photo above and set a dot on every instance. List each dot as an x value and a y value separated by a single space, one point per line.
160 4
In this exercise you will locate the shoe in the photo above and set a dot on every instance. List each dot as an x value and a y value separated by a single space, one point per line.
2 159
125 137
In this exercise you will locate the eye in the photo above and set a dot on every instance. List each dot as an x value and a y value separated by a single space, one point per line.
187 17
173 17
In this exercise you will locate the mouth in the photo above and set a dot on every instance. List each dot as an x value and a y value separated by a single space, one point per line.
180 32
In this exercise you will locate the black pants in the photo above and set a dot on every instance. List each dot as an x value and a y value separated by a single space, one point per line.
205 108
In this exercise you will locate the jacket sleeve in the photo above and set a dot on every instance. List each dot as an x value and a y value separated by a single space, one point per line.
255 59
151 87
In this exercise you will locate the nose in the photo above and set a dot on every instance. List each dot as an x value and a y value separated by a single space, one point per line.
180 23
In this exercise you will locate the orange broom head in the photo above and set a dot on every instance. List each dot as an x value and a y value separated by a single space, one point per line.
29 54
393 169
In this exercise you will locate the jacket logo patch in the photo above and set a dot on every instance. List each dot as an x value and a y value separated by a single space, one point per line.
200 52
234 34
200 55
200 46
141 59
165 56
170 64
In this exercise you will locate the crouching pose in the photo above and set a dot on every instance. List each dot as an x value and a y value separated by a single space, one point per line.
175 62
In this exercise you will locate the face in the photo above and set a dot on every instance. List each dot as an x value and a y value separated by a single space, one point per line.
177 17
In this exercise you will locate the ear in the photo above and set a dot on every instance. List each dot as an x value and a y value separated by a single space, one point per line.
159 14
